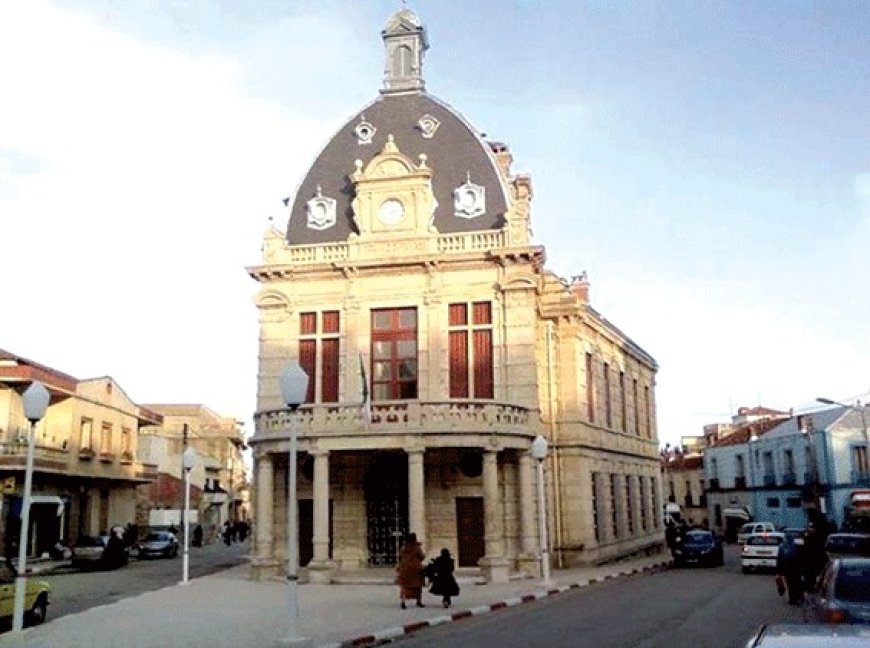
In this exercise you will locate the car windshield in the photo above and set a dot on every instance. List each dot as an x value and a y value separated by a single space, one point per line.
848 544
156 537
852 583
698 539
747 528
764 541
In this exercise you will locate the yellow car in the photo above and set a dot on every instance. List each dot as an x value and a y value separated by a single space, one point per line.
35 598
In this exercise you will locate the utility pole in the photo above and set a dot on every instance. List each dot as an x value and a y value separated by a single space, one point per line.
182 507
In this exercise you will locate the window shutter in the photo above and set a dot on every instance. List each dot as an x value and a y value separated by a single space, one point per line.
483 383
329 385
458 364
308 362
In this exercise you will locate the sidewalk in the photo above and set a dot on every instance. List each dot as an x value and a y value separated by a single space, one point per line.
228 609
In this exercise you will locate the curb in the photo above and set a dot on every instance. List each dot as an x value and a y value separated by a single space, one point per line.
388 634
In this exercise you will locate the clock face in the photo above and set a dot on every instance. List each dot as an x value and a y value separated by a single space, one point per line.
391 211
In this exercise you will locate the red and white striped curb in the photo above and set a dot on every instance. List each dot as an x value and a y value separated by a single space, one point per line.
388 634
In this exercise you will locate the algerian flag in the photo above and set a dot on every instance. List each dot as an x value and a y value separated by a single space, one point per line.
366 396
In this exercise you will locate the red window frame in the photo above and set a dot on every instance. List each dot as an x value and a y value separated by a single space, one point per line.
394 354
319 350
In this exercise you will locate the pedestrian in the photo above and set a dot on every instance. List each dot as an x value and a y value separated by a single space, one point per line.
440 573
670 535
197 536
813 557
789 570
228 539
409 571
243 530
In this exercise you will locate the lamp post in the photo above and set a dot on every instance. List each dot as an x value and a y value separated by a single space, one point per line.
36 399
857 407
752 441
294 387
539 452
188 458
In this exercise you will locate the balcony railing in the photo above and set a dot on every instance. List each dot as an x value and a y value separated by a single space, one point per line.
14 453
789 479
769 480
740 482
405 416
808 478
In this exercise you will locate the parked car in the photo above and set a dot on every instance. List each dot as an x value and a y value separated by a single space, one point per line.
699 548
754 527
760 551
848 544
35 597
809 635
159 544
92 552
843 592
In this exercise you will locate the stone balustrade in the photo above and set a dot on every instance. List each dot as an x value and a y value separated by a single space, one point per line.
462 417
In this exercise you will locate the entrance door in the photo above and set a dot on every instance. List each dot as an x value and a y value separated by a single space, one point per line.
306 531
386 492
469 530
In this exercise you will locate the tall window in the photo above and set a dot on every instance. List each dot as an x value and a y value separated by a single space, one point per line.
647 411
629 504
657 504
596 508
608 415
622 397
318 354
590 390
471 373
788 462
394 354
689 500
643 502
86 434
614 511
126 440
636 410
859 460
106 438
740 470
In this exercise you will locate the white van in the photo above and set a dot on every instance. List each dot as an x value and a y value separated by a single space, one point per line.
754 527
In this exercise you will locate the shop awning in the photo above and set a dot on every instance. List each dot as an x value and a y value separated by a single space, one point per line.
736 513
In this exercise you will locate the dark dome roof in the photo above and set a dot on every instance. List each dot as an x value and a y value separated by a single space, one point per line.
456 153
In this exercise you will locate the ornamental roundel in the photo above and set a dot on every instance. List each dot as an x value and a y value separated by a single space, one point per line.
320 211
428 125
364 131
469 200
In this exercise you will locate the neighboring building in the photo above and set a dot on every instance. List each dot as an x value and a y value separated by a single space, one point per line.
219 487
84 468
755 414
407 273
692 444
776 470
683 481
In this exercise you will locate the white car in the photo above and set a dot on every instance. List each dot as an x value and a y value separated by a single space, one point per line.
753 527
760 551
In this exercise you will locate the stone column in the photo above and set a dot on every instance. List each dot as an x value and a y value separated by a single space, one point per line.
320 568
416 495
264 562
529 557
496 568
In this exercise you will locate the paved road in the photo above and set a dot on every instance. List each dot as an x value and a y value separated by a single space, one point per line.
695 607
74 591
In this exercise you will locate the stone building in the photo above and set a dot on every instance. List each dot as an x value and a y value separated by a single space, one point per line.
85 470
683 481
407 277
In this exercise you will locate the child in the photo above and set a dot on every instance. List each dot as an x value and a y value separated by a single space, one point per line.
440 572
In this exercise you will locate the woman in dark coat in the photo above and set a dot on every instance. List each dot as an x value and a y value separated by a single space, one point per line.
440 571
410 571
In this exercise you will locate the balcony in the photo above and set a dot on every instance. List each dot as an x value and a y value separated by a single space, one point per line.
126 457
860 478
712 484
769 480
689 501
463 417
740 483
107 457
789 479
86 454
14 454
809 478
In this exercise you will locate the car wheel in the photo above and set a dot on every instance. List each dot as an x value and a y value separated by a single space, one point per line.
744 569
39 611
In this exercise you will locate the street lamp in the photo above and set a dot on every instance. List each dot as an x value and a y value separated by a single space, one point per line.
752 441
857 407
294 388
539 452
188 458
36 399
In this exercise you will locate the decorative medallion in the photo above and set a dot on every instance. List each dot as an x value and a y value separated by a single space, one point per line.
320 211
428 125
469 200
364 131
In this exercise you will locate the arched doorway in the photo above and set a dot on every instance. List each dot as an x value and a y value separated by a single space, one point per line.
386 494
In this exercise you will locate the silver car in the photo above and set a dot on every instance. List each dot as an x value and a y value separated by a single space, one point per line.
843 592
801 635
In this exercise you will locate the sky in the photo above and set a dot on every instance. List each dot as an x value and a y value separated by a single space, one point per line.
707 164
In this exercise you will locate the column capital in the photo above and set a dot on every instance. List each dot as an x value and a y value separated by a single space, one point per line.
415 451
318 452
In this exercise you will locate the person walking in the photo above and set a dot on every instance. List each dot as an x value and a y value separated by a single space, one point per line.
409 571
789 569
197 536
440 572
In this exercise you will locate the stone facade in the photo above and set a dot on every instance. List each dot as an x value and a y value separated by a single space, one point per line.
468 348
